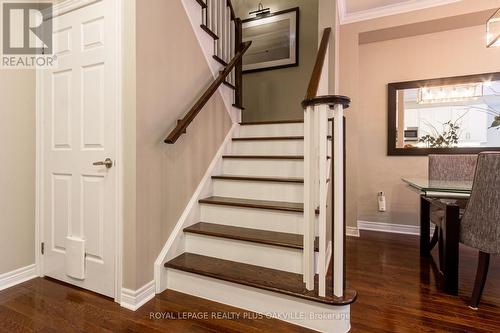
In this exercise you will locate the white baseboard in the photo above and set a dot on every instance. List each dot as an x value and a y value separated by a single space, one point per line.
390 227
134 299
17 276
352 231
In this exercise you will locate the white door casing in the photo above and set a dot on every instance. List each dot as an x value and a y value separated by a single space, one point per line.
78 109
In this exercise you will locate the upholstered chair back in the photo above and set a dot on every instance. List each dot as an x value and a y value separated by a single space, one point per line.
452 167
480 225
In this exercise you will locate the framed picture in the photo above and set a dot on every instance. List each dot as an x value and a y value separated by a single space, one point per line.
275 41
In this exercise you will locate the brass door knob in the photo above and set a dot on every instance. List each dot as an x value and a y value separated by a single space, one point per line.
108 163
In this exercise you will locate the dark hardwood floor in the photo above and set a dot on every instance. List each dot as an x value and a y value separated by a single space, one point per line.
397 292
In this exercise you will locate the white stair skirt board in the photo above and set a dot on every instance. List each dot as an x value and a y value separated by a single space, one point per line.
134 299
312 315
293 129
259 190
391 228
15 277
263 167
352 231
275 257
206 42
268 147
262 219
174 245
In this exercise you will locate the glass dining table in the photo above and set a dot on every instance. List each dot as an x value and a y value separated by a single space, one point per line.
435 193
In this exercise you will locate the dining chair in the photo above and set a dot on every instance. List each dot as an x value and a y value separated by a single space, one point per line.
449 168
480 223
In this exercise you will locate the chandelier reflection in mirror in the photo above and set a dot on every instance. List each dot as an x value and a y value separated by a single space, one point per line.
455 93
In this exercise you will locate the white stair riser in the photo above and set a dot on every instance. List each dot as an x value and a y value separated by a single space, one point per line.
263 167
273 191
275 257
271 147
262 219
272 130
335 319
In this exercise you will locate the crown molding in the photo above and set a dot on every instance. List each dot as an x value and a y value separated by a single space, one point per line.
403 7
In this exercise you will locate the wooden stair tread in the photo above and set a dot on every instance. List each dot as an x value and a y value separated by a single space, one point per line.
261 179
272 138
219 60
282 239
265 157
269 138
258 204
255 276
210 32
270 122
202 4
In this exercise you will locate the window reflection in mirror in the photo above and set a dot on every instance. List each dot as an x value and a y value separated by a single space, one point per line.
461 115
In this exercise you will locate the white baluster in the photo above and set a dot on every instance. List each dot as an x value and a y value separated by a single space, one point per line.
323 195
220 15
338 193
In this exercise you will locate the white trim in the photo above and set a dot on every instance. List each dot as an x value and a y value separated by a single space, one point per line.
120 174
20 275
59 9
188 212
134 299
352 231
390 228
377 12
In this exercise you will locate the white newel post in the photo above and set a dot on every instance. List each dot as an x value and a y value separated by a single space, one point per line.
338 192
309 209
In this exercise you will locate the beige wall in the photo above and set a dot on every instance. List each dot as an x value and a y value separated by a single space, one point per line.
17 169
171 73
365 71
277 94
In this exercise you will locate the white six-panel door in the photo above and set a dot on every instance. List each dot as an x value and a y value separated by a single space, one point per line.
78 111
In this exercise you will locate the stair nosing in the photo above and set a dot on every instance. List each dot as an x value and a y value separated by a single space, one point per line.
222 277
255 205
272 122
270 138
247 239
265 157
259 179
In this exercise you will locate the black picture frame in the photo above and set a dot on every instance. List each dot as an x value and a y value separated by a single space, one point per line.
392 89
296 52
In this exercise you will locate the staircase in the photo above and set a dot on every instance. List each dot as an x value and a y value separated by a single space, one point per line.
266 230
246 250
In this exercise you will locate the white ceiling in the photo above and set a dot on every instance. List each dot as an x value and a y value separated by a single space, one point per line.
360 10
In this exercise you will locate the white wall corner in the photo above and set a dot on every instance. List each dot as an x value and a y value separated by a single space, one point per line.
174 245
134 299
193 11
391 228
15 277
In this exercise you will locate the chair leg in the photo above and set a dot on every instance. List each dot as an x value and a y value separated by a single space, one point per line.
482 272
435 238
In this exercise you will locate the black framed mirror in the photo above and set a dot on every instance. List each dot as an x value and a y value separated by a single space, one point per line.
454 115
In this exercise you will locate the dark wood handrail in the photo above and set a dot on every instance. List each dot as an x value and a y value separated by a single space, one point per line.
312 89
183 124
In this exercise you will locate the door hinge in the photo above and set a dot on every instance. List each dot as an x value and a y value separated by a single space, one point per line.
42 248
